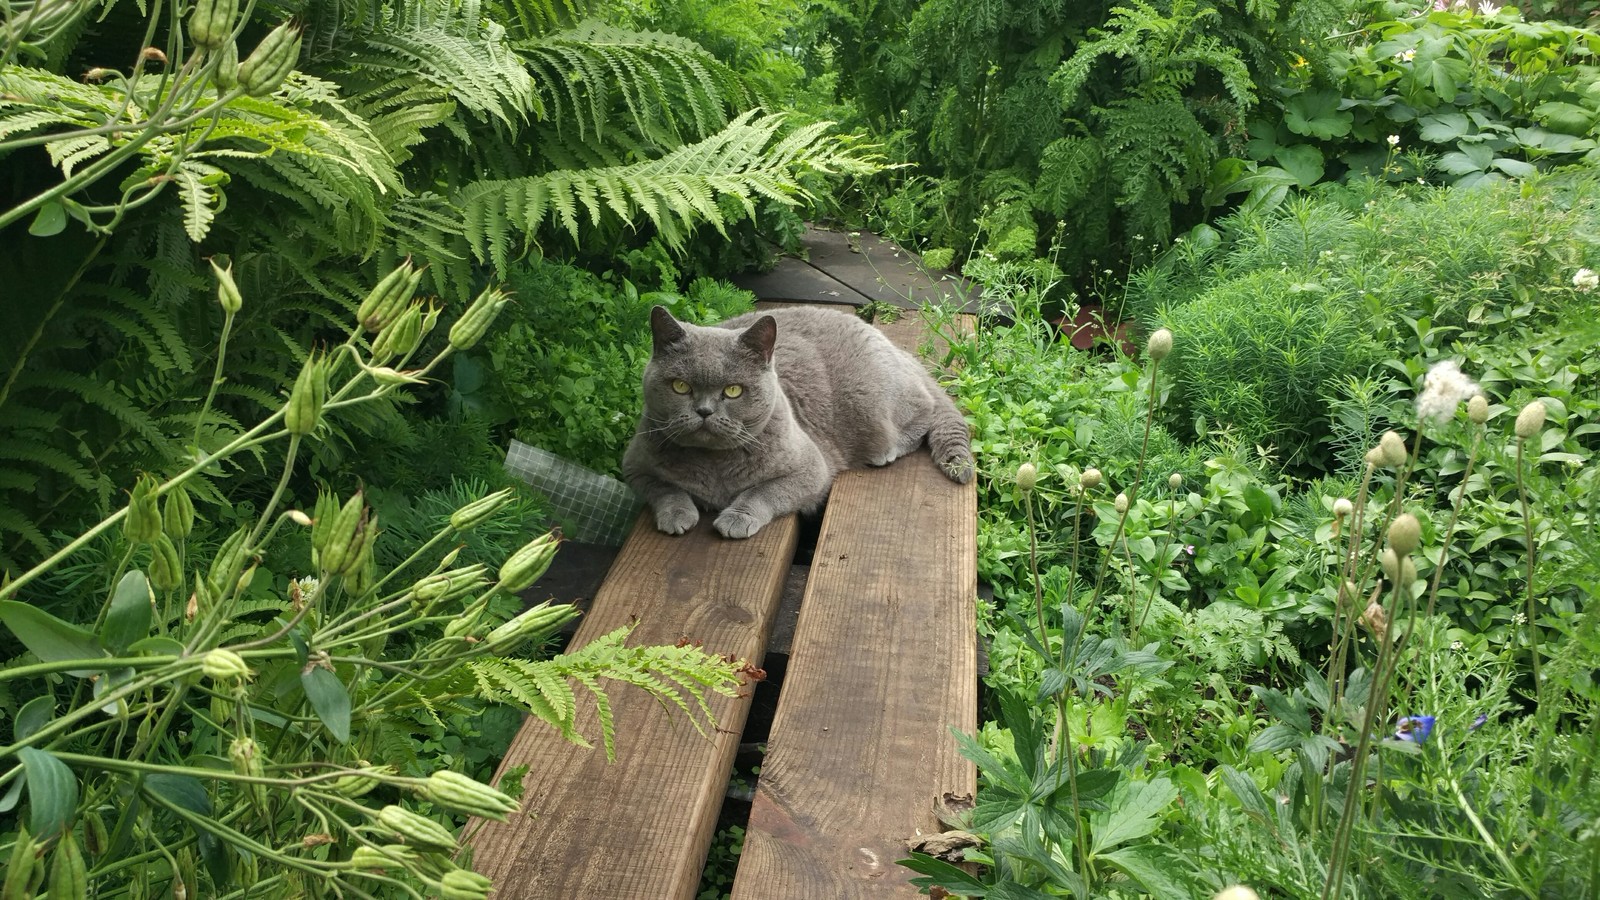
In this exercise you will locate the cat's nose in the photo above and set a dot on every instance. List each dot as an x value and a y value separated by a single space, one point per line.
705 410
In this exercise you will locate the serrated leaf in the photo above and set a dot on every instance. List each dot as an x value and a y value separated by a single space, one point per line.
1134 813
1284 708
330 700
1275 738
1153 867
52 792
128 619
50 638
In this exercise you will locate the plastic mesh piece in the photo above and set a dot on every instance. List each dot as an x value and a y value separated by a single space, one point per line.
590 507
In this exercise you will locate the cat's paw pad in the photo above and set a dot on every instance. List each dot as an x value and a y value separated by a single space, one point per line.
738 524
676 519
957 466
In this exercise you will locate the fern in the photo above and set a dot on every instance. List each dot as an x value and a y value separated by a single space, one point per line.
683 676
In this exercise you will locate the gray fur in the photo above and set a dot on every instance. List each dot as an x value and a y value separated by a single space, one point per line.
824 393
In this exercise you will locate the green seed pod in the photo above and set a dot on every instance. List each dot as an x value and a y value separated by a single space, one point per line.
1531 420
363 573
340 548
322 520
1120 504
96 839
226 75
1391 450
22 867
360 785
466 624
1478 409
272 61
463 884
1405 533
542 620
1160 345
474 323
479 511
69 876
143 522
211 25
310 391
1175 480
386 300
391 856
166 572
224 665
399 337
465 795
227 292
177 513
223 579
1090 479
528 564
416 830
1027 477
431 590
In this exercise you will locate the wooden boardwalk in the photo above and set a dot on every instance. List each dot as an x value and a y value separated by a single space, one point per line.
882 666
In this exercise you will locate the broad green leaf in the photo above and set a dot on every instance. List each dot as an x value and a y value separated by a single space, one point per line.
50 638
128 619
52 792
1155 868
1250 796
157 645
1134 813
1275 738
1304 162
1516 168
33 715
329 698
1051 683
1444 128
1317 114
50 220
1284 708
939 873
188 793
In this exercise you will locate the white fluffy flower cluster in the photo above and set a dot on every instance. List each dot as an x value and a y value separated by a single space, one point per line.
1585 280
1444 388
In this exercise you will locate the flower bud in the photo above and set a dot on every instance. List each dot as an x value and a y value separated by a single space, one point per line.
1027 477
1478 409
227 292
1343 508
1530 420
143 522
1391 450
1175 480
1160 345
224 665
528 564
1405 533
1090 479
1121 503
1236 892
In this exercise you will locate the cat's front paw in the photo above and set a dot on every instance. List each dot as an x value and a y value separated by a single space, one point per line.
738 524
676 518
957 466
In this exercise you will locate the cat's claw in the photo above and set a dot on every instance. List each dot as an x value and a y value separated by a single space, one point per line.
676 519
737 524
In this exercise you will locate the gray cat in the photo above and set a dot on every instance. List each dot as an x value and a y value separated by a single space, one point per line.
754 417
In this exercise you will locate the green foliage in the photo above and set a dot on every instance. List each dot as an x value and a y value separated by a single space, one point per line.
563 374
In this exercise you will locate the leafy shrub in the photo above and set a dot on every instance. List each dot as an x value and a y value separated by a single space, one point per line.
563 373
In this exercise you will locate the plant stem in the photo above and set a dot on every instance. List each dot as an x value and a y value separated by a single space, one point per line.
1532 613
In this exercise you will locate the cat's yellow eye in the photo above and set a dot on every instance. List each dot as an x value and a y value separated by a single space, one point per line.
732 391
680 386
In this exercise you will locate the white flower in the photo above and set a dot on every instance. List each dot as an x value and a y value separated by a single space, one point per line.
1394 140
1444 388
1585 280
1406 55
1488 9
1455 645
1519 619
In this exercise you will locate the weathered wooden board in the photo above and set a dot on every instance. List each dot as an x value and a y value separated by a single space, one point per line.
640 827
882 667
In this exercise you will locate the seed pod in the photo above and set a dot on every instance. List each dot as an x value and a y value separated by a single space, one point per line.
1343 508
177 513
1120 504
416 830
1530 420
339 543
305 400
360 785
1027 477
474 323
465 795
212 22
528 564
143 522
1160 345
478 511
386 300
1391 450
391 856
542 619
227 292
223 578
96 839
1175 480
1478 409
464 884
363 572
69 876
466 624
226 75
224 665
166 572
22 867
398 337
1090 479
272 61
431 590
322 519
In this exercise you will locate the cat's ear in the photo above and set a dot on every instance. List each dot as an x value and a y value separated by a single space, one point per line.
760 337
664 329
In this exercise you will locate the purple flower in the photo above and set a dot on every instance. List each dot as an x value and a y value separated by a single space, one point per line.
1478 722
1189 549
1413 728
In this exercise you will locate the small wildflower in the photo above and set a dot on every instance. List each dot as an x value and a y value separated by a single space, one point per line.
1439 5
1488 9
1456 645
1519 619
1585 280
1478 409
1189 549
1530 420
1478 722
1160 344
1393 139
1444 388
1414 728
1407 55
1343 508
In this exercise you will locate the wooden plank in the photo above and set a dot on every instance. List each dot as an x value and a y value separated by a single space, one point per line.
640 827
883 666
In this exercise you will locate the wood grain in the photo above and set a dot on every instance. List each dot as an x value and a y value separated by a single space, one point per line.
640 827
883 666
